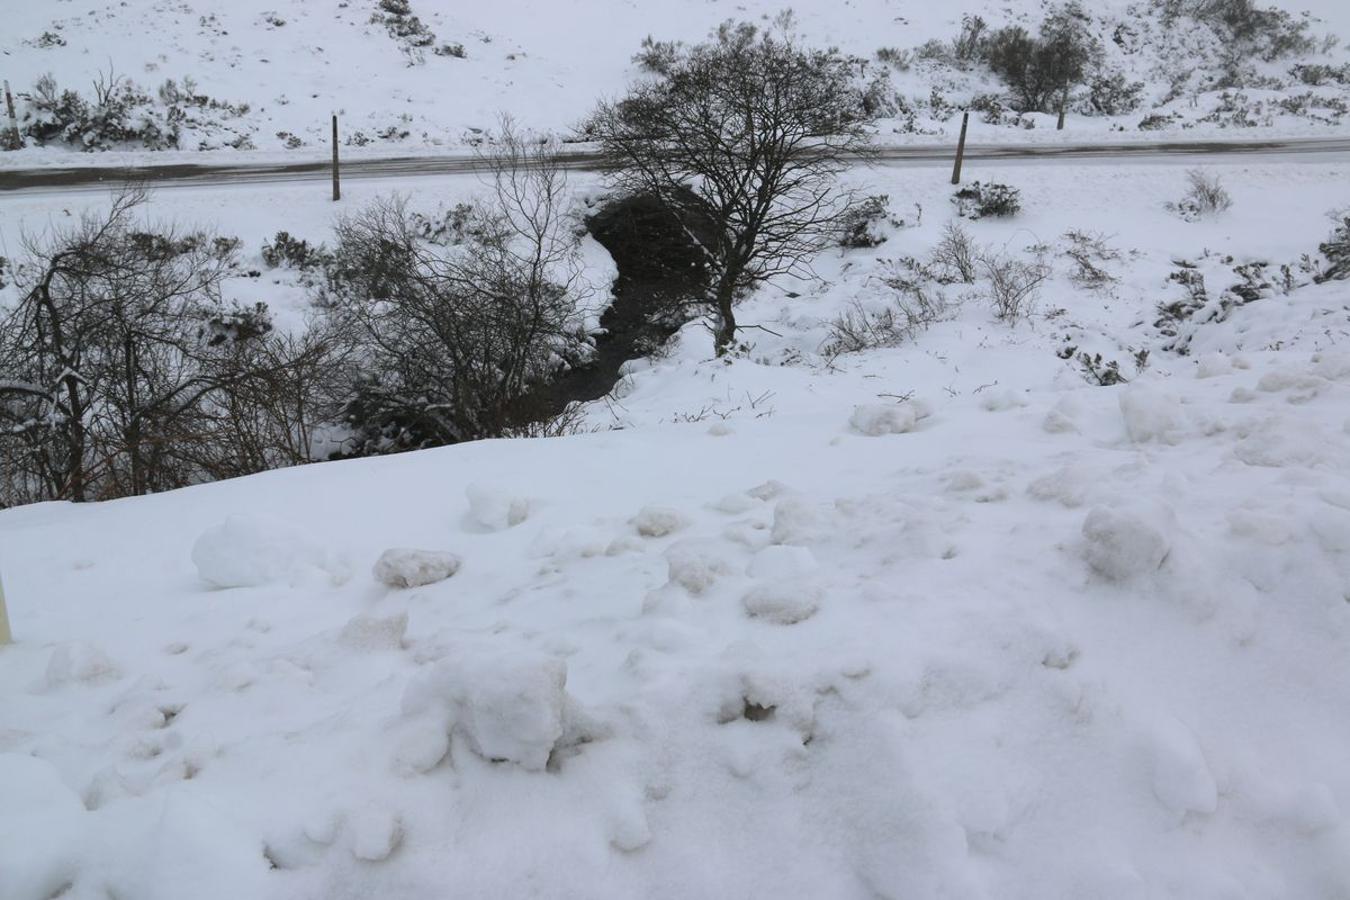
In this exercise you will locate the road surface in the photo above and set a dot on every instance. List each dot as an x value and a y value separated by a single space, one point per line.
62 180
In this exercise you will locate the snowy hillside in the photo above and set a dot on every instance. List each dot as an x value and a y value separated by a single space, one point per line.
941 618
410 76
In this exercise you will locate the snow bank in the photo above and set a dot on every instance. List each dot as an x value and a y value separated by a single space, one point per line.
251 551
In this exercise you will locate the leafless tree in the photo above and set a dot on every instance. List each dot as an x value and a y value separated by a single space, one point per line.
453 337
743 138
119 364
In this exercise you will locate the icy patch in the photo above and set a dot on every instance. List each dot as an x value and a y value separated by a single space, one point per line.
250 551
658 521
507 705
401 568
1122 545
493 510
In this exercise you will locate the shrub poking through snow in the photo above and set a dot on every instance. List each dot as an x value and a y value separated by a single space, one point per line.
400 568
1088 251
1013 285
1205 196
863 226
294 253
1337 251
955 257
979 200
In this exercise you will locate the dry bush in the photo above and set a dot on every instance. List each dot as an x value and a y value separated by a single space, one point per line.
1013 285
955 257
1205 196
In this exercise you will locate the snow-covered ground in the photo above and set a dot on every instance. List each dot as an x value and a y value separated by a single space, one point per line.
938 620
293 62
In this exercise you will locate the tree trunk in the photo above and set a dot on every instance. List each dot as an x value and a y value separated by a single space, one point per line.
724 336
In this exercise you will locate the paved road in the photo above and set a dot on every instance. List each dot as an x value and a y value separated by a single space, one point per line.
100 177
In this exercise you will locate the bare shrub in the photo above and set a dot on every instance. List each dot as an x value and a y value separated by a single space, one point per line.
955 258
1088 251
1205 196
1013 285
122 370
454 336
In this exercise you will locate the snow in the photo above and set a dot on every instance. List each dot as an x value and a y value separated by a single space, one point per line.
250 551
402 568
1049 639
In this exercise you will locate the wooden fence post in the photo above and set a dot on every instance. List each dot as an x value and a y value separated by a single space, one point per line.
960 149
337 187
13 140
5 635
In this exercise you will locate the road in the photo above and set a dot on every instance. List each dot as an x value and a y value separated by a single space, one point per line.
93 178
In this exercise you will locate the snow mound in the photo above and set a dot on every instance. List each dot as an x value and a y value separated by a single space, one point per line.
658 521
1181 778
403 568
1121 545
877 419
784 602
376 833
508 706
251 551
1151 414
696 565
375 633
494 510
79 662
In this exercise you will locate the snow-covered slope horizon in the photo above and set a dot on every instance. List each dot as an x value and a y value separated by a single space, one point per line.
292 63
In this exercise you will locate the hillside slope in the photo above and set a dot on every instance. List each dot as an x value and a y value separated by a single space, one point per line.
940 618
266 74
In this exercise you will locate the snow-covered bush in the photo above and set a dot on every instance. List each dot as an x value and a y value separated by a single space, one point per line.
295 253
1113 94
1205 196
978 200
863 226
1042 69
1336 249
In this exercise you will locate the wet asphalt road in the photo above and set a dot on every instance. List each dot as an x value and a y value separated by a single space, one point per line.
95 178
